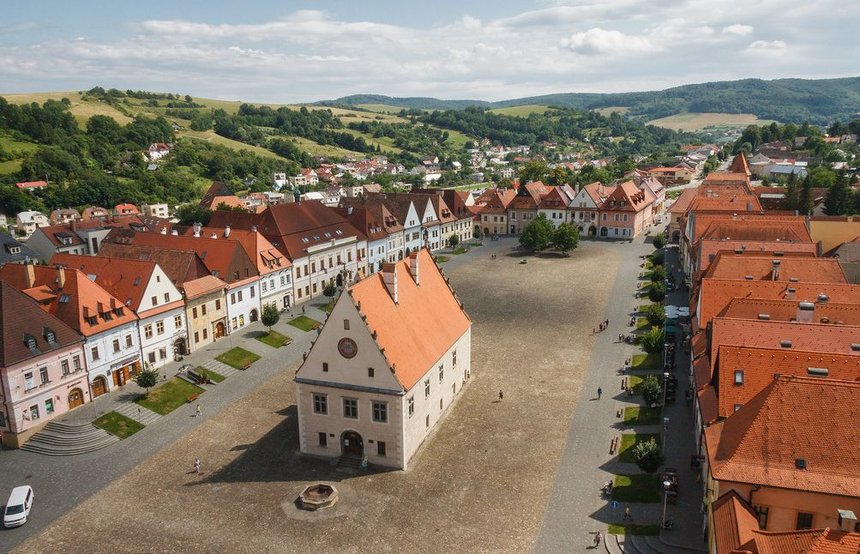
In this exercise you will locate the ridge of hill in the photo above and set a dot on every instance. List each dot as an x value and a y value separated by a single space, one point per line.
817 101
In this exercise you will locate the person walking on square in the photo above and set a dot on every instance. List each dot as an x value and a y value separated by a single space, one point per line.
627 513
599 392
197 466
199 411
597 539
501 396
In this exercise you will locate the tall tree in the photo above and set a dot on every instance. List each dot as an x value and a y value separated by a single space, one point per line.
565 238
270 316
805 202
838 200
538 234
792 193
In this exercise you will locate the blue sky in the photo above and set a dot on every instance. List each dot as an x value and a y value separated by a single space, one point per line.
306 51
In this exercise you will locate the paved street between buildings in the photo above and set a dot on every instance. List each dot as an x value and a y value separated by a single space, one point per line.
496 476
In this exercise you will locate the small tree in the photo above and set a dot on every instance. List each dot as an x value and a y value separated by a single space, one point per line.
658 273
651 390
648 456
329 291
657 258
147 379
454 240
477 233
652 340
566 238
659 241
270 316
655 314
538 234
657 292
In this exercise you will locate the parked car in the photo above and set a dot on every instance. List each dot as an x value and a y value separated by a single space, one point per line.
18 506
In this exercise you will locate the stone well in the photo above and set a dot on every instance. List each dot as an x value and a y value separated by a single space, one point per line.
318 496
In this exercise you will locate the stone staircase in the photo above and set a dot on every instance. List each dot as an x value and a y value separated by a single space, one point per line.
351 462
218 367
69 439
130 410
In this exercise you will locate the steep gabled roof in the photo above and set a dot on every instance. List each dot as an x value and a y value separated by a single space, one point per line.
599 192
124 278
806 541
776 439
529 196
787 310
21 319
497 201
424 323
626 197
727 265
181 266
740 165
734 522
216 189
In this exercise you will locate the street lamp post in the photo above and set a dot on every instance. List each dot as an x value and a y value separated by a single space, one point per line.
666 485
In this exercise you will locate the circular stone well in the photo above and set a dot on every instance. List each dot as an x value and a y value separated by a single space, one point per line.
318 496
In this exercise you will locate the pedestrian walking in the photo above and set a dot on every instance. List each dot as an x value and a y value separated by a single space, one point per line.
501 396
197 466
599 392
597 539
627 515
199 411
620 337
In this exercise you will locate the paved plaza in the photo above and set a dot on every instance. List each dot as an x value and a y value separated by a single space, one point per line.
514 475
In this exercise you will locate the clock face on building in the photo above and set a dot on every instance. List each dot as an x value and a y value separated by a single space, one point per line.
347 348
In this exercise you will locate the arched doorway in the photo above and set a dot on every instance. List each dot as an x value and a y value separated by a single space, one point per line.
99 386
486 231
179 347
351 444
76 398
254 315
676 236
604 231
592 231
220 330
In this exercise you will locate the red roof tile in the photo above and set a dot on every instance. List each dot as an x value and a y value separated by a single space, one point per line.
728 265
734 522
808 541
787 310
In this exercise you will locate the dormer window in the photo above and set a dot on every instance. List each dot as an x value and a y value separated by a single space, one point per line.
50 336
30 342
14 249
65 298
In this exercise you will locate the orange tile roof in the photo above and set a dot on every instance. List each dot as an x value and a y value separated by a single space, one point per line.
627 198
727 265
124 278
702 371
761 442
749 227
682 203
740 165
725 177
529 196
267 258
808 541
786 310
734 522
708 405
711 247
421 327
715 294
498 202
761 364
203 285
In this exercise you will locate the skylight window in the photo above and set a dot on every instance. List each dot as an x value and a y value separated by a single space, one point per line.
305 240
65 298
338 232
327 235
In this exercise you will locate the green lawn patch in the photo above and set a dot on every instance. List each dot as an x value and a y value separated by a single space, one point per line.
304 323
628 440
238 357
213 376
460 250
642 362
639 487
169 396
327 308
642 324
634 529
119 425
275 339
441 259
637 415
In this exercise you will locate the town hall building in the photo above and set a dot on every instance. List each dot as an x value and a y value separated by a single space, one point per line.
391 358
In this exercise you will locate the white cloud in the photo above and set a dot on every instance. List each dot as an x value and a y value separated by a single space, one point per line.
738 29
768 45
600 41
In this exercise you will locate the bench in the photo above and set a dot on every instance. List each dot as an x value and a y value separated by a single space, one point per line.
246 365
192 397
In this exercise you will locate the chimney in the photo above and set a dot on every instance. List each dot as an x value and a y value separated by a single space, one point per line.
197 229
413 266
213 236
847 520
389 277
776 264
174 233
805 311
226 231
253 228
790 294
164 230
349 210
749 206
61 277
31 276
823 298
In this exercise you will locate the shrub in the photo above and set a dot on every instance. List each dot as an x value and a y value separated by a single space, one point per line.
658 258
648 456
658 273
652 341
655 314
659 241
651 390
657 292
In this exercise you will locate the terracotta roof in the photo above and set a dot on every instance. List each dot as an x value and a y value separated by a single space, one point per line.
750 227
702 371
76 300
204 285
759 365
710 247
727 265
370 217
21 318
217 188
529 196
628 198
31 184
124 278
708 406
267 258
682 203
181 266
740 165
780 428
498 202
807 541
421 327
557 198
126 209
787 310
56 234
725 177
699 344
734 522
715 294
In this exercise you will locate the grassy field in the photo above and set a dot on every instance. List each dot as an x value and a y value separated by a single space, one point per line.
274 339
607 111
640 415
118 424
214 138
169 396
304 323
634 529
8 144
81 109
629 440
640 487
326 150
238 358
381 108
384 143
520 111
646 361
693 121
213 376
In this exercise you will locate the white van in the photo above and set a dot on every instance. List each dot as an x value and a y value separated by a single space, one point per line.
18 506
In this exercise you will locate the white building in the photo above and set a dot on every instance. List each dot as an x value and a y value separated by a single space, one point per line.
390 360
29 221
156 210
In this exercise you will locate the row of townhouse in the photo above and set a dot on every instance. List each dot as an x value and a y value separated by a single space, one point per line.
775 365
614 211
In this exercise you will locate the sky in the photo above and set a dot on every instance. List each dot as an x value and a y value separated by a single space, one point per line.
304 51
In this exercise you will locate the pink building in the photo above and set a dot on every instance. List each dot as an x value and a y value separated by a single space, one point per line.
42 372
626 212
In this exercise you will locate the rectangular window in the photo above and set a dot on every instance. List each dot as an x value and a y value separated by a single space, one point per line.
194 312
76 363
323 438
159 327
95 352
426 388
43 375
234 323
147 331
253 292
761 513
162 353
380 448
349 256
370 372
151 357
346 325
196 337
427 421
177 321
239 295
116 347
242 320
64 365
34 413
49 406
739 377
320 404
202 309
265 286
205 334
232 298
325 366
313 267
454 358
218 304
411 404
129 342
804 520
441 372
155 301
380 412
350 408
166 297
